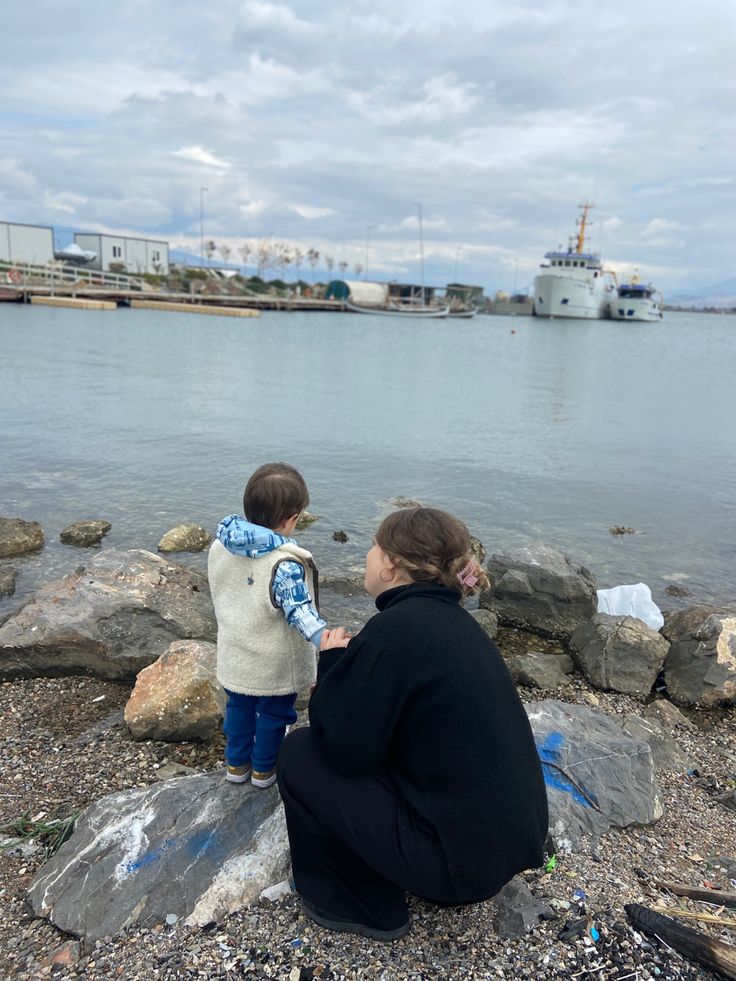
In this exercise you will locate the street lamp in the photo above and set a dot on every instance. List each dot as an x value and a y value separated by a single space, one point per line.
201 224
421 248
368 230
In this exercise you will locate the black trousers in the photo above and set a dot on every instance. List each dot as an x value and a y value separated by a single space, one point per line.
357 847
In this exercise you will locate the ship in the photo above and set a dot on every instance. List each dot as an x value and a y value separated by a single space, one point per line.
574 284
637 301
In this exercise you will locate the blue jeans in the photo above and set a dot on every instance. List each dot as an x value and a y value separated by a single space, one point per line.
254 728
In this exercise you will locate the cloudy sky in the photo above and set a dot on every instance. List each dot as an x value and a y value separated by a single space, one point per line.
323 124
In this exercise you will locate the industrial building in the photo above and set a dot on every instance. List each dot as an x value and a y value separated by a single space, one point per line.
26 243
119 253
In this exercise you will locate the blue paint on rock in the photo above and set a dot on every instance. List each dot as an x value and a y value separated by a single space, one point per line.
551 752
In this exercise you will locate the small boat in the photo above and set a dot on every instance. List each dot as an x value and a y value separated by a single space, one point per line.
574 284
74 254
637 301
400 310
463 314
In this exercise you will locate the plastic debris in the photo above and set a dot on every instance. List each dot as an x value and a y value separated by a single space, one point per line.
551 864
633 600
171 919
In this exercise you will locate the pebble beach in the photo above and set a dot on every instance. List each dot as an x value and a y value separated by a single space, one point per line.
64 745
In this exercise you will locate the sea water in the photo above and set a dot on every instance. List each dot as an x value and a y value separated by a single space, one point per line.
527 429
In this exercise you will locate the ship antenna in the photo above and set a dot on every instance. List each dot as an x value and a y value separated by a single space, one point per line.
581 223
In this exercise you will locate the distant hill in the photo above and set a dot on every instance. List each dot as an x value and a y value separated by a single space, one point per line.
719 295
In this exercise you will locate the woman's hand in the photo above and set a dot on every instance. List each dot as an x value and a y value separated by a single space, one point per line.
339 637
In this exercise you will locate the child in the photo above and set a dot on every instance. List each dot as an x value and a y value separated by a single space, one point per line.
262 585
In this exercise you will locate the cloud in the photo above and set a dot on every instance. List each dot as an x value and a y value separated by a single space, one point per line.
314 121
199 155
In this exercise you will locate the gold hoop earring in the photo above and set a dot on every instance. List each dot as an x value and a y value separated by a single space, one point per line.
390 578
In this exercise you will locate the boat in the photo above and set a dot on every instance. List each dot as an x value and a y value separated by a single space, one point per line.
637 301
74 254
463 314
400 310
574 284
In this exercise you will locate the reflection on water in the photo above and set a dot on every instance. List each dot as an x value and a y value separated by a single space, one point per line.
556 431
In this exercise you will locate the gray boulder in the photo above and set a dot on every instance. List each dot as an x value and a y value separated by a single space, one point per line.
487 620
667 753
195 847
517 910
668 715
7 582
177 697
539 589
111 618
546 671
619 653
185 538
701 664
597 777
18 537
85 533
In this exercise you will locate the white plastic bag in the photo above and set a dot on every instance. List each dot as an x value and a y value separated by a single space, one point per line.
631 601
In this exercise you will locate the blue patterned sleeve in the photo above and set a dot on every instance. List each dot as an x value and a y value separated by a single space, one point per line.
291 593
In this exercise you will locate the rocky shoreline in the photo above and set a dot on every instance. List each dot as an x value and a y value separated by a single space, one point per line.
88 663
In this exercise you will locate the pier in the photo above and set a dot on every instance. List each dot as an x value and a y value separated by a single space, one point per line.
24 283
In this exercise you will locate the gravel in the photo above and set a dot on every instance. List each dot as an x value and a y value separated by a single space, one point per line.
64 745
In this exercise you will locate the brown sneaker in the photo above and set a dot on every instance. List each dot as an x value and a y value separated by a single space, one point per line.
263 780
238 774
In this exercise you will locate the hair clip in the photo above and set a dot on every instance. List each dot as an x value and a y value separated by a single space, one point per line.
467 576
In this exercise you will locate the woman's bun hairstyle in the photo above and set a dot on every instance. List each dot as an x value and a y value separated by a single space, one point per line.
433 546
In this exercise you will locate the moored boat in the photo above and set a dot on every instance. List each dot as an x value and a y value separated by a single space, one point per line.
400 310
637 301
574 284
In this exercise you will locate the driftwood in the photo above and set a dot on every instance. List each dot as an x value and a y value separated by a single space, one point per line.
696 946
701 894
689 914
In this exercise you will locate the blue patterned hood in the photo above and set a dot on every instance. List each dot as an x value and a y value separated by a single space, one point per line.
242 537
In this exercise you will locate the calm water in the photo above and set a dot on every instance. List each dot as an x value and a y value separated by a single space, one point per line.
526 429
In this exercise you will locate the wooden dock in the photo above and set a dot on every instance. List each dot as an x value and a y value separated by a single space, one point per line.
76 302
218 311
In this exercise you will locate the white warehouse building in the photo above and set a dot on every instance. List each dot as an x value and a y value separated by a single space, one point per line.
124 254
26 243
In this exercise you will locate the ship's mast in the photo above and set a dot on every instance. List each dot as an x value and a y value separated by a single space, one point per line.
581 223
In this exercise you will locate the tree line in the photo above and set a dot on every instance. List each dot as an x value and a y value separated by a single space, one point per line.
277 256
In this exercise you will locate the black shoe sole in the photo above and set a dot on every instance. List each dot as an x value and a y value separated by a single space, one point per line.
346 926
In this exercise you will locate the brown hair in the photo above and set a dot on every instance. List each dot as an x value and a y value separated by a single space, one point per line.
432 545
274 492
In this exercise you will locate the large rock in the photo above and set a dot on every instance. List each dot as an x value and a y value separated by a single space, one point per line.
667 753
597 777
111 618
195 847
619 653
185 538
18 537
85 533
177 697
546 671
701 665
539 589
487 620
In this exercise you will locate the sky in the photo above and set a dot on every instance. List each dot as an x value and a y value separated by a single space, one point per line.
332 126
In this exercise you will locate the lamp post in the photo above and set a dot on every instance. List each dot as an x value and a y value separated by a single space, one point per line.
421 249
368 230
201 224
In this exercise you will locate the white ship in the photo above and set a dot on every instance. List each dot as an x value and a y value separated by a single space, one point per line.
574 284
637 301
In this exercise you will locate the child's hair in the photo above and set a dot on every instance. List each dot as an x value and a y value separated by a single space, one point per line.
433 546
274 493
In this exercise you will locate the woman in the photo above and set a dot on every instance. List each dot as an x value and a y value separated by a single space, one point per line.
419 771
